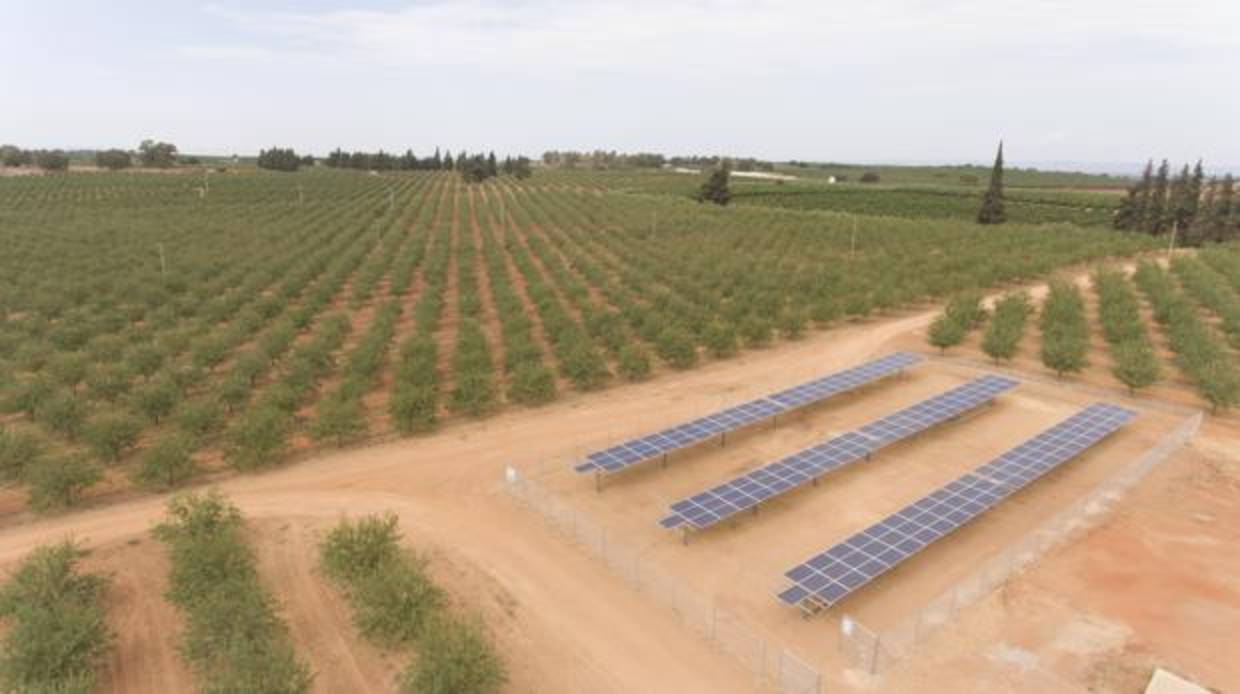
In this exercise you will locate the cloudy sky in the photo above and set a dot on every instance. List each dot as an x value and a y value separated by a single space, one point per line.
879 80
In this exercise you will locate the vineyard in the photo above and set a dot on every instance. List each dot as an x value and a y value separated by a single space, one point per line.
155 326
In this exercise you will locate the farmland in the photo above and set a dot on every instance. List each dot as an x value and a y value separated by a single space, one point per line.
156 326
384 349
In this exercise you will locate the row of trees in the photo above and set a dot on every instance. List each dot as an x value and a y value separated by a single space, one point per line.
1065 331
233 638
1134 362
277 159
1003 334
150 154
1199 210
478 168
474 168
603 159
55 636
46 159
962 314
1203 357
397 605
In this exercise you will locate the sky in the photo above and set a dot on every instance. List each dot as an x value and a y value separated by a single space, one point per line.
912 81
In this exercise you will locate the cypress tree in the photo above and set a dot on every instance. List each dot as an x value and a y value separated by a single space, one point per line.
1181 206
1144 190
992 211
1128 214
1205 222
492 167
1228 210
1156 212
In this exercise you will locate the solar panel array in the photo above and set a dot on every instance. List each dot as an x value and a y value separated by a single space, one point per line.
827 578
719 503
638 450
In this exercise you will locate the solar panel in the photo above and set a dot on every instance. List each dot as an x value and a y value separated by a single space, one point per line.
629 453
719 503
830 576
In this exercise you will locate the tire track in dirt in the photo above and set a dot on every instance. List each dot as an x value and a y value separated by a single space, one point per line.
318 617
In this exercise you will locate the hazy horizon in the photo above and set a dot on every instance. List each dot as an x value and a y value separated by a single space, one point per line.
1110 84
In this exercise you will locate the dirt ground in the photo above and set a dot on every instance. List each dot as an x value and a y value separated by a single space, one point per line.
1153 584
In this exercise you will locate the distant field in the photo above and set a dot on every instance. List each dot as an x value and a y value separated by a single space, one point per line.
149 328
1023 206
910 193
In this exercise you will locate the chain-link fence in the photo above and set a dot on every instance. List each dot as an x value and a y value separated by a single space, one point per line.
773 665
874 651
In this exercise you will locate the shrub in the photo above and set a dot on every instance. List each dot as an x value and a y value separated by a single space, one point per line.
112 435
19 452
200 417
258 438
1136 365
676 348
413 409
633 362
720 339
454 657
59 483
1003 334
756 331
340 420
167 462
63 414
792 323
1065 332
56 636
532 384
945 332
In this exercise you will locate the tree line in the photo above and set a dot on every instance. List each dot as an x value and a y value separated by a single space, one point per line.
150 153
473 167
277 159
604 159
1196 209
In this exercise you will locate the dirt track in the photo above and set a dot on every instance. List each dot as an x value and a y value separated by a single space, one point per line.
567 624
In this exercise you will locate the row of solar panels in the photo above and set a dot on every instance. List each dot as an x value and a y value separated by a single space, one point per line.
651 446
828 577
747 491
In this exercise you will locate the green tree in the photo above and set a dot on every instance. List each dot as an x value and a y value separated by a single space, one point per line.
340 420
62 413
13 157
158 155
56 634
1156 216
112 435
51 160
992 209
455 657
1135 364
258 438
20 451
715 189
113 159
945 332
59 483
167 462
634 362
